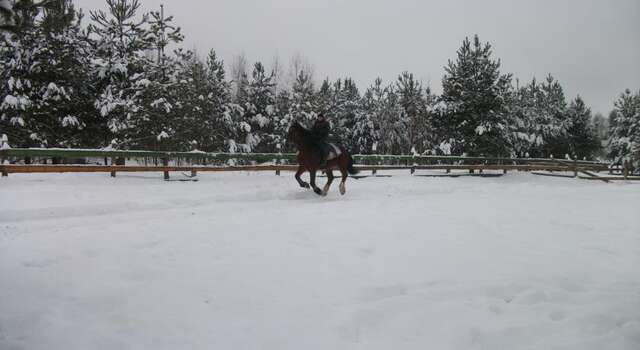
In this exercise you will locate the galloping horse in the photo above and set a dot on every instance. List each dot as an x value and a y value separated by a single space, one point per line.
309 160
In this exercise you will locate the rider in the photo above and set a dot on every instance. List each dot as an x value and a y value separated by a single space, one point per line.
320 132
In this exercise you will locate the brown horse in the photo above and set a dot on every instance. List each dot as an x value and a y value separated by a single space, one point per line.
309 160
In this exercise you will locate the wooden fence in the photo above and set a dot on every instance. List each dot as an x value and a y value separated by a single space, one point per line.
36 160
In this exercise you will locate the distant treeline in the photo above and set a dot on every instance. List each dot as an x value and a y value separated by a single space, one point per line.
115 82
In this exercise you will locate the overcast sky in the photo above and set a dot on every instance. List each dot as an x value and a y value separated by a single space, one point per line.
591 46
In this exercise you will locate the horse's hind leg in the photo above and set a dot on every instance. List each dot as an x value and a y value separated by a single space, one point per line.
330 178
345 175
299 179
312 176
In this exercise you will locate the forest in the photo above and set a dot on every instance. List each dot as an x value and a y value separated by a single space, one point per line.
119 79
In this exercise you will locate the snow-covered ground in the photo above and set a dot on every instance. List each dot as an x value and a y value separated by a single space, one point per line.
250 261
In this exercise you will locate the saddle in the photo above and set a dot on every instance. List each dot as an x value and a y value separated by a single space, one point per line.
334 151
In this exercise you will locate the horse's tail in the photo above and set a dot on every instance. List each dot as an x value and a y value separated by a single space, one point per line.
350 167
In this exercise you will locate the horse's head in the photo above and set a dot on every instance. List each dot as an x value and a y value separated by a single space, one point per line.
295 133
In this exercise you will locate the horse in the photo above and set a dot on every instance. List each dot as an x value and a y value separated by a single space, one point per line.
309 160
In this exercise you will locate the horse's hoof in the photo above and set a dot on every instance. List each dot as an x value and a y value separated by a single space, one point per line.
317 191
343 190
305 185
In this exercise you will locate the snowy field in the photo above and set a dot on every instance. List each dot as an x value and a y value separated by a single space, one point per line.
250 261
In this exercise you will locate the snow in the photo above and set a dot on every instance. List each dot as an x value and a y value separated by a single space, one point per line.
11 101
162 135
481 129
251 261
5 5
70 121
4 142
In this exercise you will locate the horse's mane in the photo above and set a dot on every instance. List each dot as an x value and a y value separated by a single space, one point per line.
307 135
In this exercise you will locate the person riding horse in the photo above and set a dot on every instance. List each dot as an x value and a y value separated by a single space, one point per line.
320 133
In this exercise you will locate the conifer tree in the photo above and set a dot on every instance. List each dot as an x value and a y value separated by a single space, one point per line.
582 139
120 44
474 91
45 100
624 128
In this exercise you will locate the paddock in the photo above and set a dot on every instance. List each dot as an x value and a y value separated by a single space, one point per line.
249 260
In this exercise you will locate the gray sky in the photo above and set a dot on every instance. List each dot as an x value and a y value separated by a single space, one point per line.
591 46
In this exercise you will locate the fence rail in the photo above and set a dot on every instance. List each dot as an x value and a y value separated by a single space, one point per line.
60 153
166 162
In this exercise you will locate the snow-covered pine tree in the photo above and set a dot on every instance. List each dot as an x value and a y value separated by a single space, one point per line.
159 120
283 106
45 99
260 111
582 139
624 128
365 133
601 126
414 113
553 120
391 126
120 42
220 127
527 135
346 110
325 97
303 107
474 91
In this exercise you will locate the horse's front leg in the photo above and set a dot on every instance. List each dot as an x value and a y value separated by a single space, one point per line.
299 179
330 178
312 176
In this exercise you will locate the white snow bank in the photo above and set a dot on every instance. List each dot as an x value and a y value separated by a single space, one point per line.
251 261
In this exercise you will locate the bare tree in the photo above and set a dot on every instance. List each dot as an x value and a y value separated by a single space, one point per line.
278 76
298 63
238 69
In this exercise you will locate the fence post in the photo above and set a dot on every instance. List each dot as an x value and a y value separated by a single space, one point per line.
277 170
575 167
625 170
165 162
5 173
113 163
4 170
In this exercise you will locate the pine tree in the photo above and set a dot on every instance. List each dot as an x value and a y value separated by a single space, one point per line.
219 125
391 126
527 122
345 112
260 110
326 97
120 60
474 92
45 98
303 107
553 120
414 113
365 134
581 137
157 122
624 128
